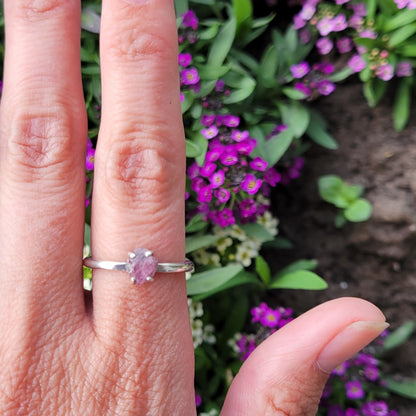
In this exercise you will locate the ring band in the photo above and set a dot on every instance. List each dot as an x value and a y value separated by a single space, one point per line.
141 265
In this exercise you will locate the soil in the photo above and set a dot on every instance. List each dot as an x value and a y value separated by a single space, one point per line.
374 260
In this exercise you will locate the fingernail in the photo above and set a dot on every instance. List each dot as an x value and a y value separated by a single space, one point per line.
136 2
348 342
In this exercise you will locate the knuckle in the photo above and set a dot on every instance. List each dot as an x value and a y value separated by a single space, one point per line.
136 173
37 142
40 9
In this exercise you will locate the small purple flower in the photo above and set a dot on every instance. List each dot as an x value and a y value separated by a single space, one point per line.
239 136
339 2
222 194
204 194
207 120
198 400
217 179
89 160
307 12
401 4
214 154
189 19
225 218
231 121
371 373
229 157
246 146
247 207
351 412
270 319
300 70
272 177
341 369
259 164
357 63
325 26
344 44
208 169
385 72
367 33
197 184
339 23
359 9
190 76
304 36
298 22
258 311
354 390
324 45
375 408
250 184
356 22
184 59
404 69
326 68
300 86
325 87
210 132
193 170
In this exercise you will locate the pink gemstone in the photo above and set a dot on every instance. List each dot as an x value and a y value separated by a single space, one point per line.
142 266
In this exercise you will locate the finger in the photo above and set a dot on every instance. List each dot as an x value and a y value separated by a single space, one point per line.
287 373
42 161
138 198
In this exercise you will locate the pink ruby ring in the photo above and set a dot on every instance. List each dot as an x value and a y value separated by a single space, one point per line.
141 265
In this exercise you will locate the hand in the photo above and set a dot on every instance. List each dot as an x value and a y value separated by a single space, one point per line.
129 351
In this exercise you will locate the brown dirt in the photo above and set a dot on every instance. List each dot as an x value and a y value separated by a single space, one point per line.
374 260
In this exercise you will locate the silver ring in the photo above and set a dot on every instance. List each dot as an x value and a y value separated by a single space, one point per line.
141 265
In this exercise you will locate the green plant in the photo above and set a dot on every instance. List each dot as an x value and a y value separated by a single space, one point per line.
346 197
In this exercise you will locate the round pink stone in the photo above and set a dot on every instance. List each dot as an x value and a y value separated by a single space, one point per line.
142 266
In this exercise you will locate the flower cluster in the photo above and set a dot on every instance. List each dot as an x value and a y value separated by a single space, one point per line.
200 332
230 185
336 26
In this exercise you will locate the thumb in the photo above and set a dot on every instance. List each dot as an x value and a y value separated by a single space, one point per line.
286 374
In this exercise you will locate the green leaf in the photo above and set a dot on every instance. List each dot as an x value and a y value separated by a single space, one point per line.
300 279
197 223
296 116
374 90
371 7
359 210
247 88
192 149
208 72
196 242
90 20
243 12
402 34
401 109
263 269
339 220
222 43
408 50
181 6
402 18
276 147
293 93
406 388
209 33
268 67
279 243
399 336
87 235
330 189
341 74
319 135
211 280
303 264
257 231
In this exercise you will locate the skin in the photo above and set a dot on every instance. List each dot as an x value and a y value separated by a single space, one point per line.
128 350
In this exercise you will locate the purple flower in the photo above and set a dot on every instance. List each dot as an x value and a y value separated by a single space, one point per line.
197 184
207 120
246 146
198 400
300 86
229 157
341 369
208 169
258 164
304 36
225 218
326 68
272 177
89 160
193 170
385 72
404 69
341 1
270 319
325 26
325 87
368 33
258 311
359 9
300 70
344 44
247 207
375 408
184 59
357 63
189 19
324 45
210 132
351 412
250 184
371 373
190 76
239 136
204 194
219 85
354 390
307 12
217 179
298 22
214 154
339 23
228 120
401 4
222 194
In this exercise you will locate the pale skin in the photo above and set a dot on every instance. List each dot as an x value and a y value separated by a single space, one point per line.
129 351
